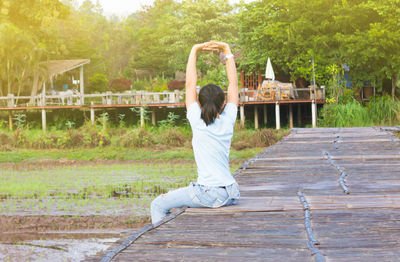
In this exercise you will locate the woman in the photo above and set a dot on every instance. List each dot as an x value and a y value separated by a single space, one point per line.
212 125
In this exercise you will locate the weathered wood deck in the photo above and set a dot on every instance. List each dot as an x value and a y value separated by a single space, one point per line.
321 194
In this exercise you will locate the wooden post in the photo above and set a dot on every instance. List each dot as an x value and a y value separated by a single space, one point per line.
44 119
298 114
242 115
92 115
141 116
82 88
44 94
277 116
153 117
10 120
290 116
314 113
265 115
11 100
256 117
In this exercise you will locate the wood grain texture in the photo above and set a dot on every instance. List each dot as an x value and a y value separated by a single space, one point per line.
268 222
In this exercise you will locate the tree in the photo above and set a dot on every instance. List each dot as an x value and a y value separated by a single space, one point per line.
26 37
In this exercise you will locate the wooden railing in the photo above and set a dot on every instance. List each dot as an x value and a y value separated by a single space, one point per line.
149 98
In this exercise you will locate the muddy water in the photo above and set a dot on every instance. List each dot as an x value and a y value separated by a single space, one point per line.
56 246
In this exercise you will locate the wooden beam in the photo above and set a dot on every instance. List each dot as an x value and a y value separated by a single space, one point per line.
314 114
82 88
141 116
44 120
153 117
10 120
290 116
265 114
298 114
256 117
92 114
277 116
242 115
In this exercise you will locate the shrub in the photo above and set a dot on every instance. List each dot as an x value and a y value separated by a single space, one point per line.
254 138
176 85
19 138
344 115
383 110
172 137
136 138
140 85
93 136
120 85
160 85
4 139
98 83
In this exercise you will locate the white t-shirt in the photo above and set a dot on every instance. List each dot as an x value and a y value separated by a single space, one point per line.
211 145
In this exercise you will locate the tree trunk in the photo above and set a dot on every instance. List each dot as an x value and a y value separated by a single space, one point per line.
394 82
34 86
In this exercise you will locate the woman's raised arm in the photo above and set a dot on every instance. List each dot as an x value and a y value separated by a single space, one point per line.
233 90
191 75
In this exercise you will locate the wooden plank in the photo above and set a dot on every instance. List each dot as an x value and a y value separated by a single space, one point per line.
268 222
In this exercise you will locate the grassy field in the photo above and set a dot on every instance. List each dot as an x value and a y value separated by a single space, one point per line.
92 190
95 172
112 153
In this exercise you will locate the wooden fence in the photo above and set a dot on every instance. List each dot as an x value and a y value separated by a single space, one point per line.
153 98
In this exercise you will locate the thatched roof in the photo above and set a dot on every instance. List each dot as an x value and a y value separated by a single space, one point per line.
58 67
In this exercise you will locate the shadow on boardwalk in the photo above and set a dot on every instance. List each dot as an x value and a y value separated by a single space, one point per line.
321 194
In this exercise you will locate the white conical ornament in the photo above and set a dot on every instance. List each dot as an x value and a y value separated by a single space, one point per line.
269 71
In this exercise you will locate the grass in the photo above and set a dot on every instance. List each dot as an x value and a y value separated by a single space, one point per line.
113 153
379 111
119 189
40 186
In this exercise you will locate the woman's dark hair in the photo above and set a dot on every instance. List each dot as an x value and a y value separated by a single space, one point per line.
211 98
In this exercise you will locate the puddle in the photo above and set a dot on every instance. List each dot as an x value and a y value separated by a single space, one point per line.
58 245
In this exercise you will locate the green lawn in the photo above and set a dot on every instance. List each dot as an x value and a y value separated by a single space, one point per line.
92 189
112 153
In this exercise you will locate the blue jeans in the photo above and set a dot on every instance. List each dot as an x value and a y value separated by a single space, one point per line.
194 195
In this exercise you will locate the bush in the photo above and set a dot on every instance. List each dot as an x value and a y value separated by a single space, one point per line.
94 136
120 85
136 138
173 137
160 85
98 83
140 85
383 110
344 115
243 138
176 85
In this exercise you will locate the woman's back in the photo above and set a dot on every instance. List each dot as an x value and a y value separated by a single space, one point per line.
211 145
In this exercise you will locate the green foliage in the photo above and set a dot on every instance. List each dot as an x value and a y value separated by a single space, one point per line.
103 119
70 124
169 122
217 75
160 85
345 115
348 96
384 111
20 121
121 120
141 85
361 34
98 83
3 124
137 111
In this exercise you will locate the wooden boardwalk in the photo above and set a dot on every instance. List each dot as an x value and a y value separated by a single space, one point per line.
319 195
